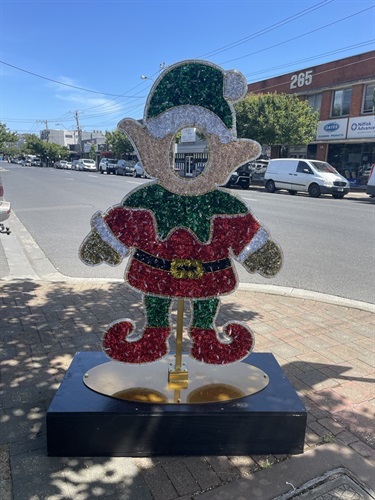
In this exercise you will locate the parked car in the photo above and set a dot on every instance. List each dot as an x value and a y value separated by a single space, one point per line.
258 169
241 178
107 165
64 164
87 164
36 162
4 205
138 170
370 190
75 165
124 167
310 176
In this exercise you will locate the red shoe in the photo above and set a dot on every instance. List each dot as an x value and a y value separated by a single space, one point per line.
208 349
153 344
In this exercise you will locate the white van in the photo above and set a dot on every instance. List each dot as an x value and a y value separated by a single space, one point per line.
308 176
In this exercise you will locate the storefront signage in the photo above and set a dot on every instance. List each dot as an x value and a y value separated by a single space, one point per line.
361 126
332 129
188 135
301 79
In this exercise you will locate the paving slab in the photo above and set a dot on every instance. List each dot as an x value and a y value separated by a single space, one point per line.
302 474
44 323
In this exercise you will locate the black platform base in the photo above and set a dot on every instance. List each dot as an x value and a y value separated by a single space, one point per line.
81 422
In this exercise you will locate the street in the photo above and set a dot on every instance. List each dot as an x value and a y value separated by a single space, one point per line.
328 244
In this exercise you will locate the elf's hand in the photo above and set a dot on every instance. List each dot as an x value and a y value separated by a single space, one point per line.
266 261
94 251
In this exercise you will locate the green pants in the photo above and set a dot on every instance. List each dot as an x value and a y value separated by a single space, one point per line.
158 312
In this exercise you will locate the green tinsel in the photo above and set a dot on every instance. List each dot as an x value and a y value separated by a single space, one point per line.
194 212
195 84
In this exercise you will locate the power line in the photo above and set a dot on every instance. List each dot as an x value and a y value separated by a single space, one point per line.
297 37
66 84
266 30
108 106
318 56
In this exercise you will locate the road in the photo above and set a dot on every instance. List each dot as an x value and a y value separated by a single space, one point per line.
328 244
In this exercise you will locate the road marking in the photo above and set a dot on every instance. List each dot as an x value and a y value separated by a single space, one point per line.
248 199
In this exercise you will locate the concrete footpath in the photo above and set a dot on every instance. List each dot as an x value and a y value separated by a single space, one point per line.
325 346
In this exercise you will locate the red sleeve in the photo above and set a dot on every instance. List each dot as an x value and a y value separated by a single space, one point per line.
131 226
237 230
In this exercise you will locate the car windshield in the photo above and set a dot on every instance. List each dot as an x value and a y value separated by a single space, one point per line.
89 161
321 166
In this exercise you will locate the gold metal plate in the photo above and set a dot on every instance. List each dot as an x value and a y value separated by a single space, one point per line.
149 383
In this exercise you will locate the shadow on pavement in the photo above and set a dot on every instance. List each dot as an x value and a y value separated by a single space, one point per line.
44 325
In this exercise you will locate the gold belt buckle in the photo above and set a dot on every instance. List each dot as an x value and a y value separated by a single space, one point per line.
186 268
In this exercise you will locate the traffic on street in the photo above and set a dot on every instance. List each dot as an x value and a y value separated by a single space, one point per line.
327 243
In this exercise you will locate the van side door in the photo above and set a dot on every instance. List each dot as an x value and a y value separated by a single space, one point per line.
301 177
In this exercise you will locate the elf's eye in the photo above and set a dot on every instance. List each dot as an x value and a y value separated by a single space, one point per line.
189 153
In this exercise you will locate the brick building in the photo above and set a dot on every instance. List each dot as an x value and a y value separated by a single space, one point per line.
342 92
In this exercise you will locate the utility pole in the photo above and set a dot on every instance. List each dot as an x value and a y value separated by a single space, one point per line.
46 129
79 132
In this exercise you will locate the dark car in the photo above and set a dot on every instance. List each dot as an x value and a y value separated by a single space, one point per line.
36 162
125 167
241 178
107 165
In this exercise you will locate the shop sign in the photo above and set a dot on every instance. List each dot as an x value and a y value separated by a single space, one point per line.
297 150
188 135
361 127
332 129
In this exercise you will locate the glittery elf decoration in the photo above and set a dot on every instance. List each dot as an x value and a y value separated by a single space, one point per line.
181 235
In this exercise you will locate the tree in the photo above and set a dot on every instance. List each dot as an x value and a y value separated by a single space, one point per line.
35 145
119 143
92 153
7 138
276 119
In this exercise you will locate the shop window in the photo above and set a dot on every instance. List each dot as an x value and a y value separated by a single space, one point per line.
315 102
368 101
341 102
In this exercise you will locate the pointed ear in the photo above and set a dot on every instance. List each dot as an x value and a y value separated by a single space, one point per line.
136 132
151 151
233 155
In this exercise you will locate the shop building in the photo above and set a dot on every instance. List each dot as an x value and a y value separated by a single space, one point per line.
342 92
190 153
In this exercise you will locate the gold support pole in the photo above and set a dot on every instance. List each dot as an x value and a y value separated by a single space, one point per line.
178 378
180 327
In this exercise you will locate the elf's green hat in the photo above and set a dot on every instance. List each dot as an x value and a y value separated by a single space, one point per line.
203 90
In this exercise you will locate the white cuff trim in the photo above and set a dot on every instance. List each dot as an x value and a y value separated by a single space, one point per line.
106 234
255 244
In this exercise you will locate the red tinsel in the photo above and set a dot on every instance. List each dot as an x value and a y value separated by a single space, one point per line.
152 346
208 349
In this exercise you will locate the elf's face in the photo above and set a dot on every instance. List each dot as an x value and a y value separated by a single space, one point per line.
157 158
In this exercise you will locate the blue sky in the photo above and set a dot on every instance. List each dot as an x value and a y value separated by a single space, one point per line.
104 46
